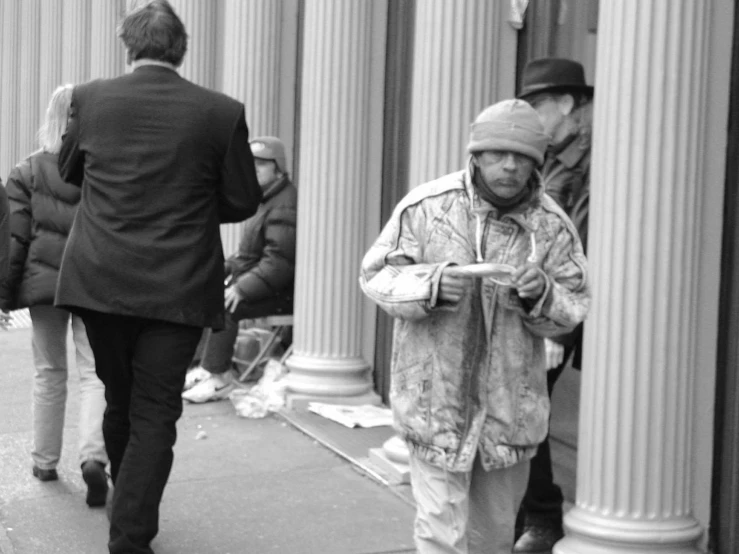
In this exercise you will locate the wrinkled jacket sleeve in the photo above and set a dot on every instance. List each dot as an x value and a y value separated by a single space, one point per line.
276 268
4 235
566 299
239 194
393 275
19 200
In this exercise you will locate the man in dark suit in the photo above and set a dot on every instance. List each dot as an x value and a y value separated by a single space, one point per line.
162 162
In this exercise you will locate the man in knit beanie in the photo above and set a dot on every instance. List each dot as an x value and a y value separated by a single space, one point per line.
477 267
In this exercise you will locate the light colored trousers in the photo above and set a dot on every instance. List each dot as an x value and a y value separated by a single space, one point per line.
466 513
49 341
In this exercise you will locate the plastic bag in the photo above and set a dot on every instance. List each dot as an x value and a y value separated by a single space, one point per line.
268 395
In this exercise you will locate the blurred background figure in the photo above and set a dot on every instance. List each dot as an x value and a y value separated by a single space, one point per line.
42 208
556 89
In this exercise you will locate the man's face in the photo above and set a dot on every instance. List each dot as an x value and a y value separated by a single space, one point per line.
504 173
551 109
267 172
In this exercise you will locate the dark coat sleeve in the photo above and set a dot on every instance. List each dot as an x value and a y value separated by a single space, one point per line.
275 270
71 158
240 193
4 235
19 200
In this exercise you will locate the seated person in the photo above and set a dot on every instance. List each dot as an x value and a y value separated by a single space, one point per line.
260 276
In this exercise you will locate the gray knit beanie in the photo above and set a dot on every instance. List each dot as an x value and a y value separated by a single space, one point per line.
270 148
510 126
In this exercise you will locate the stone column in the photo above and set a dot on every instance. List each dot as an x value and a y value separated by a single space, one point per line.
107 55
200 20
50 58
462 64
76 41
634 478
10 43
30 106
340 114
251 70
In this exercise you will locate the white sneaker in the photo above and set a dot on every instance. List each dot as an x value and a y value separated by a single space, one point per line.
195 376
216 387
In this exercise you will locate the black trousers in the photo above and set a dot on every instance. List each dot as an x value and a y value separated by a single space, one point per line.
218 347
542 503
142 363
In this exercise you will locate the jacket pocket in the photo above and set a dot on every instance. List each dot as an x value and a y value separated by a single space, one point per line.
411 398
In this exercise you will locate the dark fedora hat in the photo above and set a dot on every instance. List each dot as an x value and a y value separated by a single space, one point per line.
552 75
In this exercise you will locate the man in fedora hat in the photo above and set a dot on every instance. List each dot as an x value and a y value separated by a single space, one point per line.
556 88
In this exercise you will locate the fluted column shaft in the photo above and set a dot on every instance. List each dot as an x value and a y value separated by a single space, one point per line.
199 18
30 106
251 72
337 118
462 64
634 490
9 56
107 55
76 41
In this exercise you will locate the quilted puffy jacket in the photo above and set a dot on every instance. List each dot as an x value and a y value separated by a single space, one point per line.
264 265
472 376
42 209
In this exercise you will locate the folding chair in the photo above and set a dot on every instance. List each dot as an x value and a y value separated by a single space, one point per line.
277 324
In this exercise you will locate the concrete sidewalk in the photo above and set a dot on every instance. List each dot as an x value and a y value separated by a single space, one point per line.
249 486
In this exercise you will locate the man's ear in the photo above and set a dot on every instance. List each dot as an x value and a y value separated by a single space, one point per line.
566 103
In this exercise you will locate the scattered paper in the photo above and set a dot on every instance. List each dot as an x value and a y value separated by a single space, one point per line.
365 415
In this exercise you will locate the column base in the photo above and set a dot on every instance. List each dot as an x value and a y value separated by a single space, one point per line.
300 401
397 473
589 533
333 378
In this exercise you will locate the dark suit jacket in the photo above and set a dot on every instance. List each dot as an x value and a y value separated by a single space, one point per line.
4 234
162 162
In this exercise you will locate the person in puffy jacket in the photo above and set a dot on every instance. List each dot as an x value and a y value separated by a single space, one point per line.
260 275
477 267
42 208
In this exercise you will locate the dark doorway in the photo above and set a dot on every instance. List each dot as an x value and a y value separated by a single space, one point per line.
724 528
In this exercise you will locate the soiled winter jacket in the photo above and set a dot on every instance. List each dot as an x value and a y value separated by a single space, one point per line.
264 266
472 376
42 209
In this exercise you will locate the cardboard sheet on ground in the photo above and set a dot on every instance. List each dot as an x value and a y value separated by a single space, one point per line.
365 415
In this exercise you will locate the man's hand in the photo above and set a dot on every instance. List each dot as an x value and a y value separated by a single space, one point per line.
555 353
452 285
529 281
232 298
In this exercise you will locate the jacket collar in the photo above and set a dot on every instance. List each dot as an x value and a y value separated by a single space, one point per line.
273 189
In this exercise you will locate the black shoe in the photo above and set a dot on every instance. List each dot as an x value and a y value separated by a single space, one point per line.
45 474
538 540
93 473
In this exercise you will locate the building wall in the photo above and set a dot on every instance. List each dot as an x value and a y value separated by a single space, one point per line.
246 49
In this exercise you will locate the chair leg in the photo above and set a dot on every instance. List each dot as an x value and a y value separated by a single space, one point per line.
262 353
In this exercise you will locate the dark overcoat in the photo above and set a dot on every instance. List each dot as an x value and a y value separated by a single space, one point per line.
4 234
162 162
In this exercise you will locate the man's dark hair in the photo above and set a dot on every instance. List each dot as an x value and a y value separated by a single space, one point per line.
155 32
